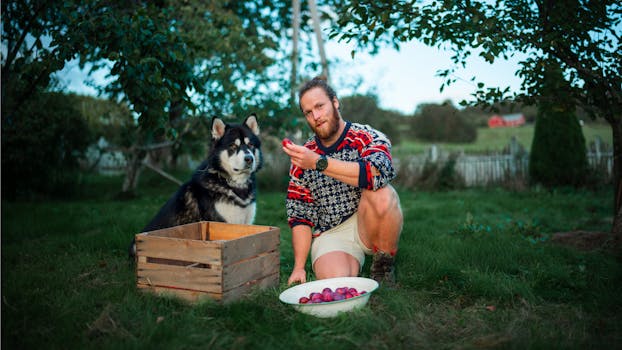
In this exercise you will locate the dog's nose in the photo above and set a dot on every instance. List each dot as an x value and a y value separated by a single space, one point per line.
248 159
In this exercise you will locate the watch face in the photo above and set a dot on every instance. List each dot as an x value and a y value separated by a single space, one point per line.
321 164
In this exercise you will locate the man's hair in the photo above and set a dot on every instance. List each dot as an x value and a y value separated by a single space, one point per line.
319 81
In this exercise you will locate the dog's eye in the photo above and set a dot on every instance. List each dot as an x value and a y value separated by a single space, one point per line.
233 147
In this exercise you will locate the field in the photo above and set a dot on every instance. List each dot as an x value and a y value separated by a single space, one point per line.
494 140
476 269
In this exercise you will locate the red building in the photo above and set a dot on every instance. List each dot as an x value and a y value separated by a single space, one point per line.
501 121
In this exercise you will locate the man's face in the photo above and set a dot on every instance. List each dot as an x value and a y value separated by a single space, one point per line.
321 113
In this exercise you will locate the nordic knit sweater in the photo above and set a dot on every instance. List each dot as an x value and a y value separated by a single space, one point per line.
322 202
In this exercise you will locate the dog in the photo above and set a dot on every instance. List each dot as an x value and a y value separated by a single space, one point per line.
223 188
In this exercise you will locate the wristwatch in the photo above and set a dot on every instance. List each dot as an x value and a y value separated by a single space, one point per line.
322 163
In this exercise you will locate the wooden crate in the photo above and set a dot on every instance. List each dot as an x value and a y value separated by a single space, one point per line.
208 259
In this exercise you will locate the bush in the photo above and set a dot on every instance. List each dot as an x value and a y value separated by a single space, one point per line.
440 176
558 153
365 110
41 144
442 123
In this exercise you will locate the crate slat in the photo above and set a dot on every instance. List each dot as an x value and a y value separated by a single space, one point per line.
249 246
188 231
249 270
239 292
224 231
206 252
162 275
186 295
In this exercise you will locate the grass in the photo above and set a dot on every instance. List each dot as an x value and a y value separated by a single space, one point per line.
475 270
494 140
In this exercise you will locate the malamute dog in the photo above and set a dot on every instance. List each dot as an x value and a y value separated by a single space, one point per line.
223 187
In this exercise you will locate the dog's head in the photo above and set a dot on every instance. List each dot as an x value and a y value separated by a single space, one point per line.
237 148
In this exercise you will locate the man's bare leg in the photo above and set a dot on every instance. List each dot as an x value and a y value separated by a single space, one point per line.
380 219
336 264
380 223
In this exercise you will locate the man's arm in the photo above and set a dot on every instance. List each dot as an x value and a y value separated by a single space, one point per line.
301 242
347 172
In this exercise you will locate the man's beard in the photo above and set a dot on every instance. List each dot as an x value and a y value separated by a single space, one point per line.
330 128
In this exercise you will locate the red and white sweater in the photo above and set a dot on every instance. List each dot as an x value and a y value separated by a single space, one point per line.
322 202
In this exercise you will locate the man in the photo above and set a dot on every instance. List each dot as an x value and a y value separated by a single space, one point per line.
340 204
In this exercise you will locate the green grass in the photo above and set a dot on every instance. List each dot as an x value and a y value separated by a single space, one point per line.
67 284
494 140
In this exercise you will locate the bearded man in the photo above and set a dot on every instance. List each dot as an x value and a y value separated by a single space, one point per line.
340 204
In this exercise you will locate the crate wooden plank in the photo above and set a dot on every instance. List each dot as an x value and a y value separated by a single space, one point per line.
188 231
223 231
160 275
249 246
249 270
241 291
191 296
204 229
206 252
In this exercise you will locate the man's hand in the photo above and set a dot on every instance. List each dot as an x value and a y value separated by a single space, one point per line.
300 156
298 275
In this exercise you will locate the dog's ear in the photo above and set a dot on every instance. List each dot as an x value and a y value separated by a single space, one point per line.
251 122
218 128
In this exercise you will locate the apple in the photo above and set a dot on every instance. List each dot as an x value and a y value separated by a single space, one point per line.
286 142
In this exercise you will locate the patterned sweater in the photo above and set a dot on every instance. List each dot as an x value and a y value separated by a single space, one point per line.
322 202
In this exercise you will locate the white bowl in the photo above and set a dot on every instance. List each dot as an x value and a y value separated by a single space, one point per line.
329 309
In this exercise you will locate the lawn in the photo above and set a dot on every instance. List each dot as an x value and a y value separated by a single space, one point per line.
475 268
494 140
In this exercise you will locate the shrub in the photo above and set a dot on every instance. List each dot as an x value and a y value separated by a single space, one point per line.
364 109
442 123
41 144
558 153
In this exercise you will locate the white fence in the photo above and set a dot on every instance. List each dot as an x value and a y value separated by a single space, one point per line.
474 170
485 170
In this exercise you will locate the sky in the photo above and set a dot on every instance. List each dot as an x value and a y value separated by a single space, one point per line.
401 80
404 79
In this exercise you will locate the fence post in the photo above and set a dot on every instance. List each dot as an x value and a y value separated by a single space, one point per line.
433 154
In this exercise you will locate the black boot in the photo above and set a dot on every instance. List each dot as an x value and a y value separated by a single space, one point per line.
382 268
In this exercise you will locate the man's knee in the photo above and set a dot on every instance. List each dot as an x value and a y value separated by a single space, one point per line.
383 201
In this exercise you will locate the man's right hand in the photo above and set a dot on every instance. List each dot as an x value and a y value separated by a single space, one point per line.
298 275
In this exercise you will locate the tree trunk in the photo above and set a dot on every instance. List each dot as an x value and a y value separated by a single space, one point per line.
295 35
318 35
616 230
132 171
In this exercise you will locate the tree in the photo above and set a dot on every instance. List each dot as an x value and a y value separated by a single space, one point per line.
582 37
170 61
558 153
41 148
364 109
442 123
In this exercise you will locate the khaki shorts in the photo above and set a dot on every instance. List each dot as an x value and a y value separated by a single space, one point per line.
343 237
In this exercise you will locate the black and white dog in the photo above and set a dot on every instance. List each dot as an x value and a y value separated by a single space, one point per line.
223 188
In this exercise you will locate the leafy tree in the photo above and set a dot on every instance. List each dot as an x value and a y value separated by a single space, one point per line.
364 109
41 148
161 54
442 123
558 153
582 37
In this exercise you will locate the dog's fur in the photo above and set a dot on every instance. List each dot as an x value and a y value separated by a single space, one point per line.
223 188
